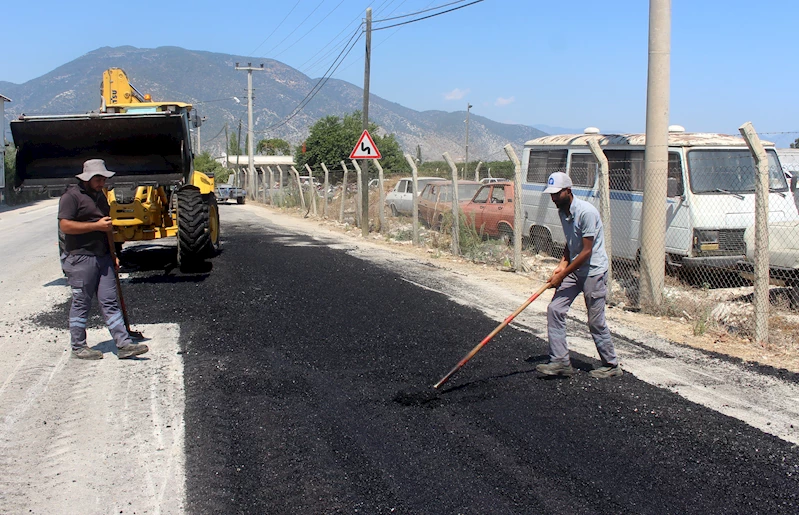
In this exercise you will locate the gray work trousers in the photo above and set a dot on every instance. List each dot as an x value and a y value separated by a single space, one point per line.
89 276
595 291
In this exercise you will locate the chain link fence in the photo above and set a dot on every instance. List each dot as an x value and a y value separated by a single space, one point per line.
707 246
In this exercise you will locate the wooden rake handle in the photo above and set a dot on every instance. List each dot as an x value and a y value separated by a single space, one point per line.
492 334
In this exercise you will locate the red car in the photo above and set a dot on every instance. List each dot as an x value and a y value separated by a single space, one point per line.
491 210
436 200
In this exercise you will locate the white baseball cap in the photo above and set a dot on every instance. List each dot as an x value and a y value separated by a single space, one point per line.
558 181
94 167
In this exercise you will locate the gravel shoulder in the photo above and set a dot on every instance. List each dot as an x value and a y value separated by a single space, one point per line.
93 437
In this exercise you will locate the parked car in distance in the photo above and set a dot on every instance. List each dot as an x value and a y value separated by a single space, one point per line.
491 210
436 200
400 199
489 180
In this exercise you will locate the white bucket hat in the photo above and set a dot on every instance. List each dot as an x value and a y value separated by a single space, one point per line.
94 167
558 181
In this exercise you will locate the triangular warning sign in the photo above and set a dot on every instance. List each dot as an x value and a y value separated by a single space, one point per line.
365 148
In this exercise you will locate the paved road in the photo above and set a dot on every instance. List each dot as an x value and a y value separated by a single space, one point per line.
296 353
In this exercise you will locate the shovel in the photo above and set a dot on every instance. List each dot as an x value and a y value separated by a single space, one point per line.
111 247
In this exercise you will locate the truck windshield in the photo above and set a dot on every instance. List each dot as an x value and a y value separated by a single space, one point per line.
730 171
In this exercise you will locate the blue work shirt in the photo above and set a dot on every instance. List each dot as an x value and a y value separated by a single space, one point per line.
583 221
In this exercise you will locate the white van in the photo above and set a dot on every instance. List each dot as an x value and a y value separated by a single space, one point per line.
711 185
400 199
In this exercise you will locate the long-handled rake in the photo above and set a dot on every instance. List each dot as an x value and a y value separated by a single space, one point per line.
133 334
493 333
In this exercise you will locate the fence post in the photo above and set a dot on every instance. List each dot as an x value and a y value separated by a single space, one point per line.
359 216
312 188
477 171
761 254
518 223
327 189
604 206
299 185
381 197
414 175
456 244
280 184
271 183
343 192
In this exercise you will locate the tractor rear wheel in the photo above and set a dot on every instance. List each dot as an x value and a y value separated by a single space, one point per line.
194 232
213 225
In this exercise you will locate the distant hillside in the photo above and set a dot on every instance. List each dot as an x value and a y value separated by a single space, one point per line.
209 81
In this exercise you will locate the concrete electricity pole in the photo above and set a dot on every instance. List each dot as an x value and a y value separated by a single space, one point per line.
466 165
365 165
656 155
250 166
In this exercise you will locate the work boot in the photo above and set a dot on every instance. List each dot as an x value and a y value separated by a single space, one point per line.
606 371
87 353
131 349
555 368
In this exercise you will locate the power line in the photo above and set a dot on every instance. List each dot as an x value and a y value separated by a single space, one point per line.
420 12
309 31
275 29
297 28
320 84
429 16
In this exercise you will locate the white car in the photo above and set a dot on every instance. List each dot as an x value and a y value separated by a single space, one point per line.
400 199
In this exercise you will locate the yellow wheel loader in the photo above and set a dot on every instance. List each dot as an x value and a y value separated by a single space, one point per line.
155 193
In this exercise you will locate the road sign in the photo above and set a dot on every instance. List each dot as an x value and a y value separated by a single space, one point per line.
365 148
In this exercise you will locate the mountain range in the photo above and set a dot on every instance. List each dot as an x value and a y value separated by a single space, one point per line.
210 82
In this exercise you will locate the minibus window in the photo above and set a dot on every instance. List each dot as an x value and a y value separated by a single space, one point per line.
543 163
675 173
583 169
626 169
730 171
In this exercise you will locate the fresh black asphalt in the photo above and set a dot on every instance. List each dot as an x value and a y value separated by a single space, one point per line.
298 361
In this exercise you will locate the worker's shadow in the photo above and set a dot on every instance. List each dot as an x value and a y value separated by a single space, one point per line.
110 347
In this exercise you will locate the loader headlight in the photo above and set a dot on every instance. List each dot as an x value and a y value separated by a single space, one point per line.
706 240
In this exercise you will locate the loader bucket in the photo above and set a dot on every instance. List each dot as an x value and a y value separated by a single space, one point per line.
142 148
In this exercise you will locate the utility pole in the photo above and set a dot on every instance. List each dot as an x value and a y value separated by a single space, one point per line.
656 156
466 166
238 154
250 165
365 165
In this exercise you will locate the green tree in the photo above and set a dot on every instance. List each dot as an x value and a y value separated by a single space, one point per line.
331 139
273 147
795 144
209 166
233 147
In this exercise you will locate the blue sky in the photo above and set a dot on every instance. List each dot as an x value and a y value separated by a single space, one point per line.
568 64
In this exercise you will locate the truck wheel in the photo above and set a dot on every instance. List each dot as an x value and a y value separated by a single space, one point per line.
194 232
506 234
541 241
240 200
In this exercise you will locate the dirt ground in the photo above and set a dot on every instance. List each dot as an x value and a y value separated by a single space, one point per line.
781 353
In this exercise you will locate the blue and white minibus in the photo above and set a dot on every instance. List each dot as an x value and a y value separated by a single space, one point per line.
711 193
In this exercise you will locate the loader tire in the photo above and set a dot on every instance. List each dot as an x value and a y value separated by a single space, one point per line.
213 226
194 232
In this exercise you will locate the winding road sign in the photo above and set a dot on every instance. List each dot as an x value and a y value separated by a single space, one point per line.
365 148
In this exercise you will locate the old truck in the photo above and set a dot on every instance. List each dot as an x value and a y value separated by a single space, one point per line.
155 193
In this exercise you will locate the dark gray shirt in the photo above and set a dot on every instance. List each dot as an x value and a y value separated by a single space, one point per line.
81 205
